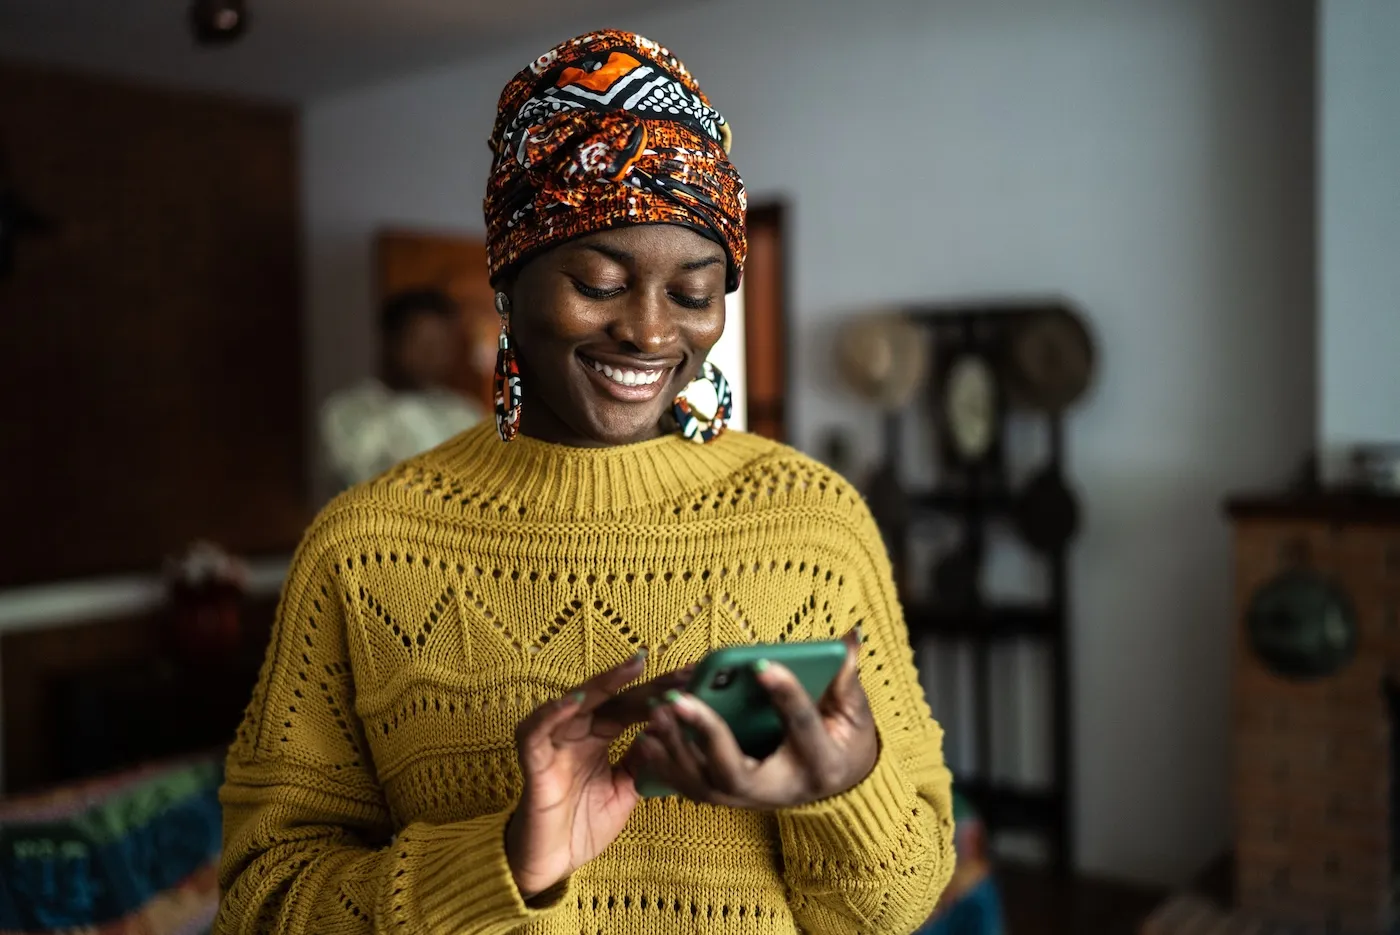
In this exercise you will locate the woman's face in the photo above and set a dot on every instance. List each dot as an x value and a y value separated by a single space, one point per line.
609 328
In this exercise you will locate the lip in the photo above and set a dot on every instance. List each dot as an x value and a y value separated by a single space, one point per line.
636 393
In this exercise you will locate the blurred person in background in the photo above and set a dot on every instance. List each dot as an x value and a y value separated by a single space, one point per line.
372 426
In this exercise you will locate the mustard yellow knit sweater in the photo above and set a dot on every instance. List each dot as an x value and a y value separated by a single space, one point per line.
428 612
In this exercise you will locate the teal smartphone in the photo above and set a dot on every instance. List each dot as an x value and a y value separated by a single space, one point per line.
725 681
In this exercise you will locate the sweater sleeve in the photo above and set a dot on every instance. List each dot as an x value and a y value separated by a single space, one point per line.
877 857
309 841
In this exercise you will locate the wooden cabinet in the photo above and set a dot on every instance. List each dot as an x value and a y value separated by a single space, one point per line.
1316 655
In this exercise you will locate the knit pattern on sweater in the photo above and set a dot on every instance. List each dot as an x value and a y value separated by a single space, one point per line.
428 612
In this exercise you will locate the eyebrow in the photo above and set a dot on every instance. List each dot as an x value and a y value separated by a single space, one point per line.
622 256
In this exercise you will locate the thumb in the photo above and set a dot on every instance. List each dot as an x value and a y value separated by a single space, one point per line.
845 691
533 737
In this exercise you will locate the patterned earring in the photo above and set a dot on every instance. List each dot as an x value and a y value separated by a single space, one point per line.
703 408
507 379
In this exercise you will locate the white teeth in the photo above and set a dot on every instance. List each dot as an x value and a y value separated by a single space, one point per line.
627 377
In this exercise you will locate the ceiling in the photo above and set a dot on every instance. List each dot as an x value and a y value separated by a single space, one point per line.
294 50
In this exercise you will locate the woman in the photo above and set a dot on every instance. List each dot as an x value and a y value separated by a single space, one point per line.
444 739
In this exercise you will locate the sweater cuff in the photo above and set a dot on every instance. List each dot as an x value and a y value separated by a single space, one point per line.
464 882
860 828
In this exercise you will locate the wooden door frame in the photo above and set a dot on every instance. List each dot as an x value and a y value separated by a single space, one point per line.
774 216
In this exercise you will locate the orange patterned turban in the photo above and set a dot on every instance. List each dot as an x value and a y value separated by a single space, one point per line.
606 130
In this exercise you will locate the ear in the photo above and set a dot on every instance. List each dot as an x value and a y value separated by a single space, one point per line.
506 291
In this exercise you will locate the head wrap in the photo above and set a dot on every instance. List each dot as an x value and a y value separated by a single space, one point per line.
607 130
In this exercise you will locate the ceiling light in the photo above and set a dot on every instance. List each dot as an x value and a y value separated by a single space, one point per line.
217 22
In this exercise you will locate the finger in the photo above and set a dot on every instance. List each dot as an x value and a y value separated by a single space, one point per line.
605 685
648 756
550 714
726 765
634 756
806 734
672 734
845 692
636 703
532 735
558 720
686 760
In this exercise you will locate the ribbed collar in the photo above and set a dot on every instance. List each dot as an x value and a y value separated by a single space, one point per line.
584 482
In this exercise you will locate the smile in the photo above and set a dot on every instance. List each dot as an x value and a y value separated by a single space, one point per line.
631 384
626 377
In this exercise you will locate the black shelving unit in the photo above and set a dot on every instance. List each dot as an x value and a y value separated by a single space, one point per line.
972 498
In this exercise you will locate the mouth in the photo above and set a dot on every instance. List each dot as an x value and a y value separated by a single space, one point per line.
631 383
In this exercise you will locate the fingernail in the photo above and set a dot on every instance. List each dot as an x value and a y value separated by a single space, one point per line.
653 703
672 696
641 654
761 665
577 697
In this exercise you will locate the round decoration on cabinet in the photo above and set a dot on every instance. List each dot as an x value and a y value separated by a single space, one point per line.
883 357
1051 360
1301 626
1046 512
970 411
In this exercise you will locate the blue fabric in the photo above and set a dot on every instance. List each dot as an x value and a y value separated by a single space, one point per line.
105 862
977 912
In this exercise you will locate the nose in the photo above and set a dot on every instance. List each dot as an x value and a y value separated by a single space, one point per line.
645 323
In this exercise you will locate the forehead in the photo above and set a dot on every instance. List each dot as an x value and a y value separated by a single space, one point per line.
650 242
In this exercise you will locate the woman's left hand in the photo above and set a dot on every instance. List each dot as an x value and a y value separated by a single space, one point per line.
831 745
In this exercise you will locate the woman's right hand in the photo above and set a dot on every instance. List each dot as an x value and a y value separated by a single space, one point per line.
575 801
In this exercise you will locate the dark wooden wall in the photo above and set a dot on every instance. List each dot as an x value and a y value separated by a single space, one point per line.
150 346
90 698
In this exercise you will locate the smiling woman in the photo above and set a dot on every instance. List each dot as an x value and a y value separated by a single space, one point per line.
611 327
446 732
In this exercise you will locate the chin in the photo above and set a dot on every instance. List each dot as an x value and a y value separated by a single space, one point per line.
603 419
623 428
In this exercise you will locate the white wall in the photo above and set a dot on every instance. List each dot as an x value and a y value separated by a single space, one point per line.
728 356
1359 229
1151 160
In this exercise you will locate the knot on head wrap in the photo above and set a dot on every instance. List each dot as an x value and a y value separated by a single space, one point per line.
569 154
603 131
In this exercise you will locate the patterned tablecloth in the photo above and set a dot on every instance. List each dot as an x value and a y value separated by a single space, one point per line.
131 854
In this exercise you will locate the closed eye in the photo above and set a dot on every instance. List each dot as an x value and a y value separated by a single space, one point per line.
595 293
692 301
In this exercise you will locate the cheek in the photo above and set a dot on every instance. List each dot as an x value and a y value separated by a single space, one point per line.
704 330
545 335
552 316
